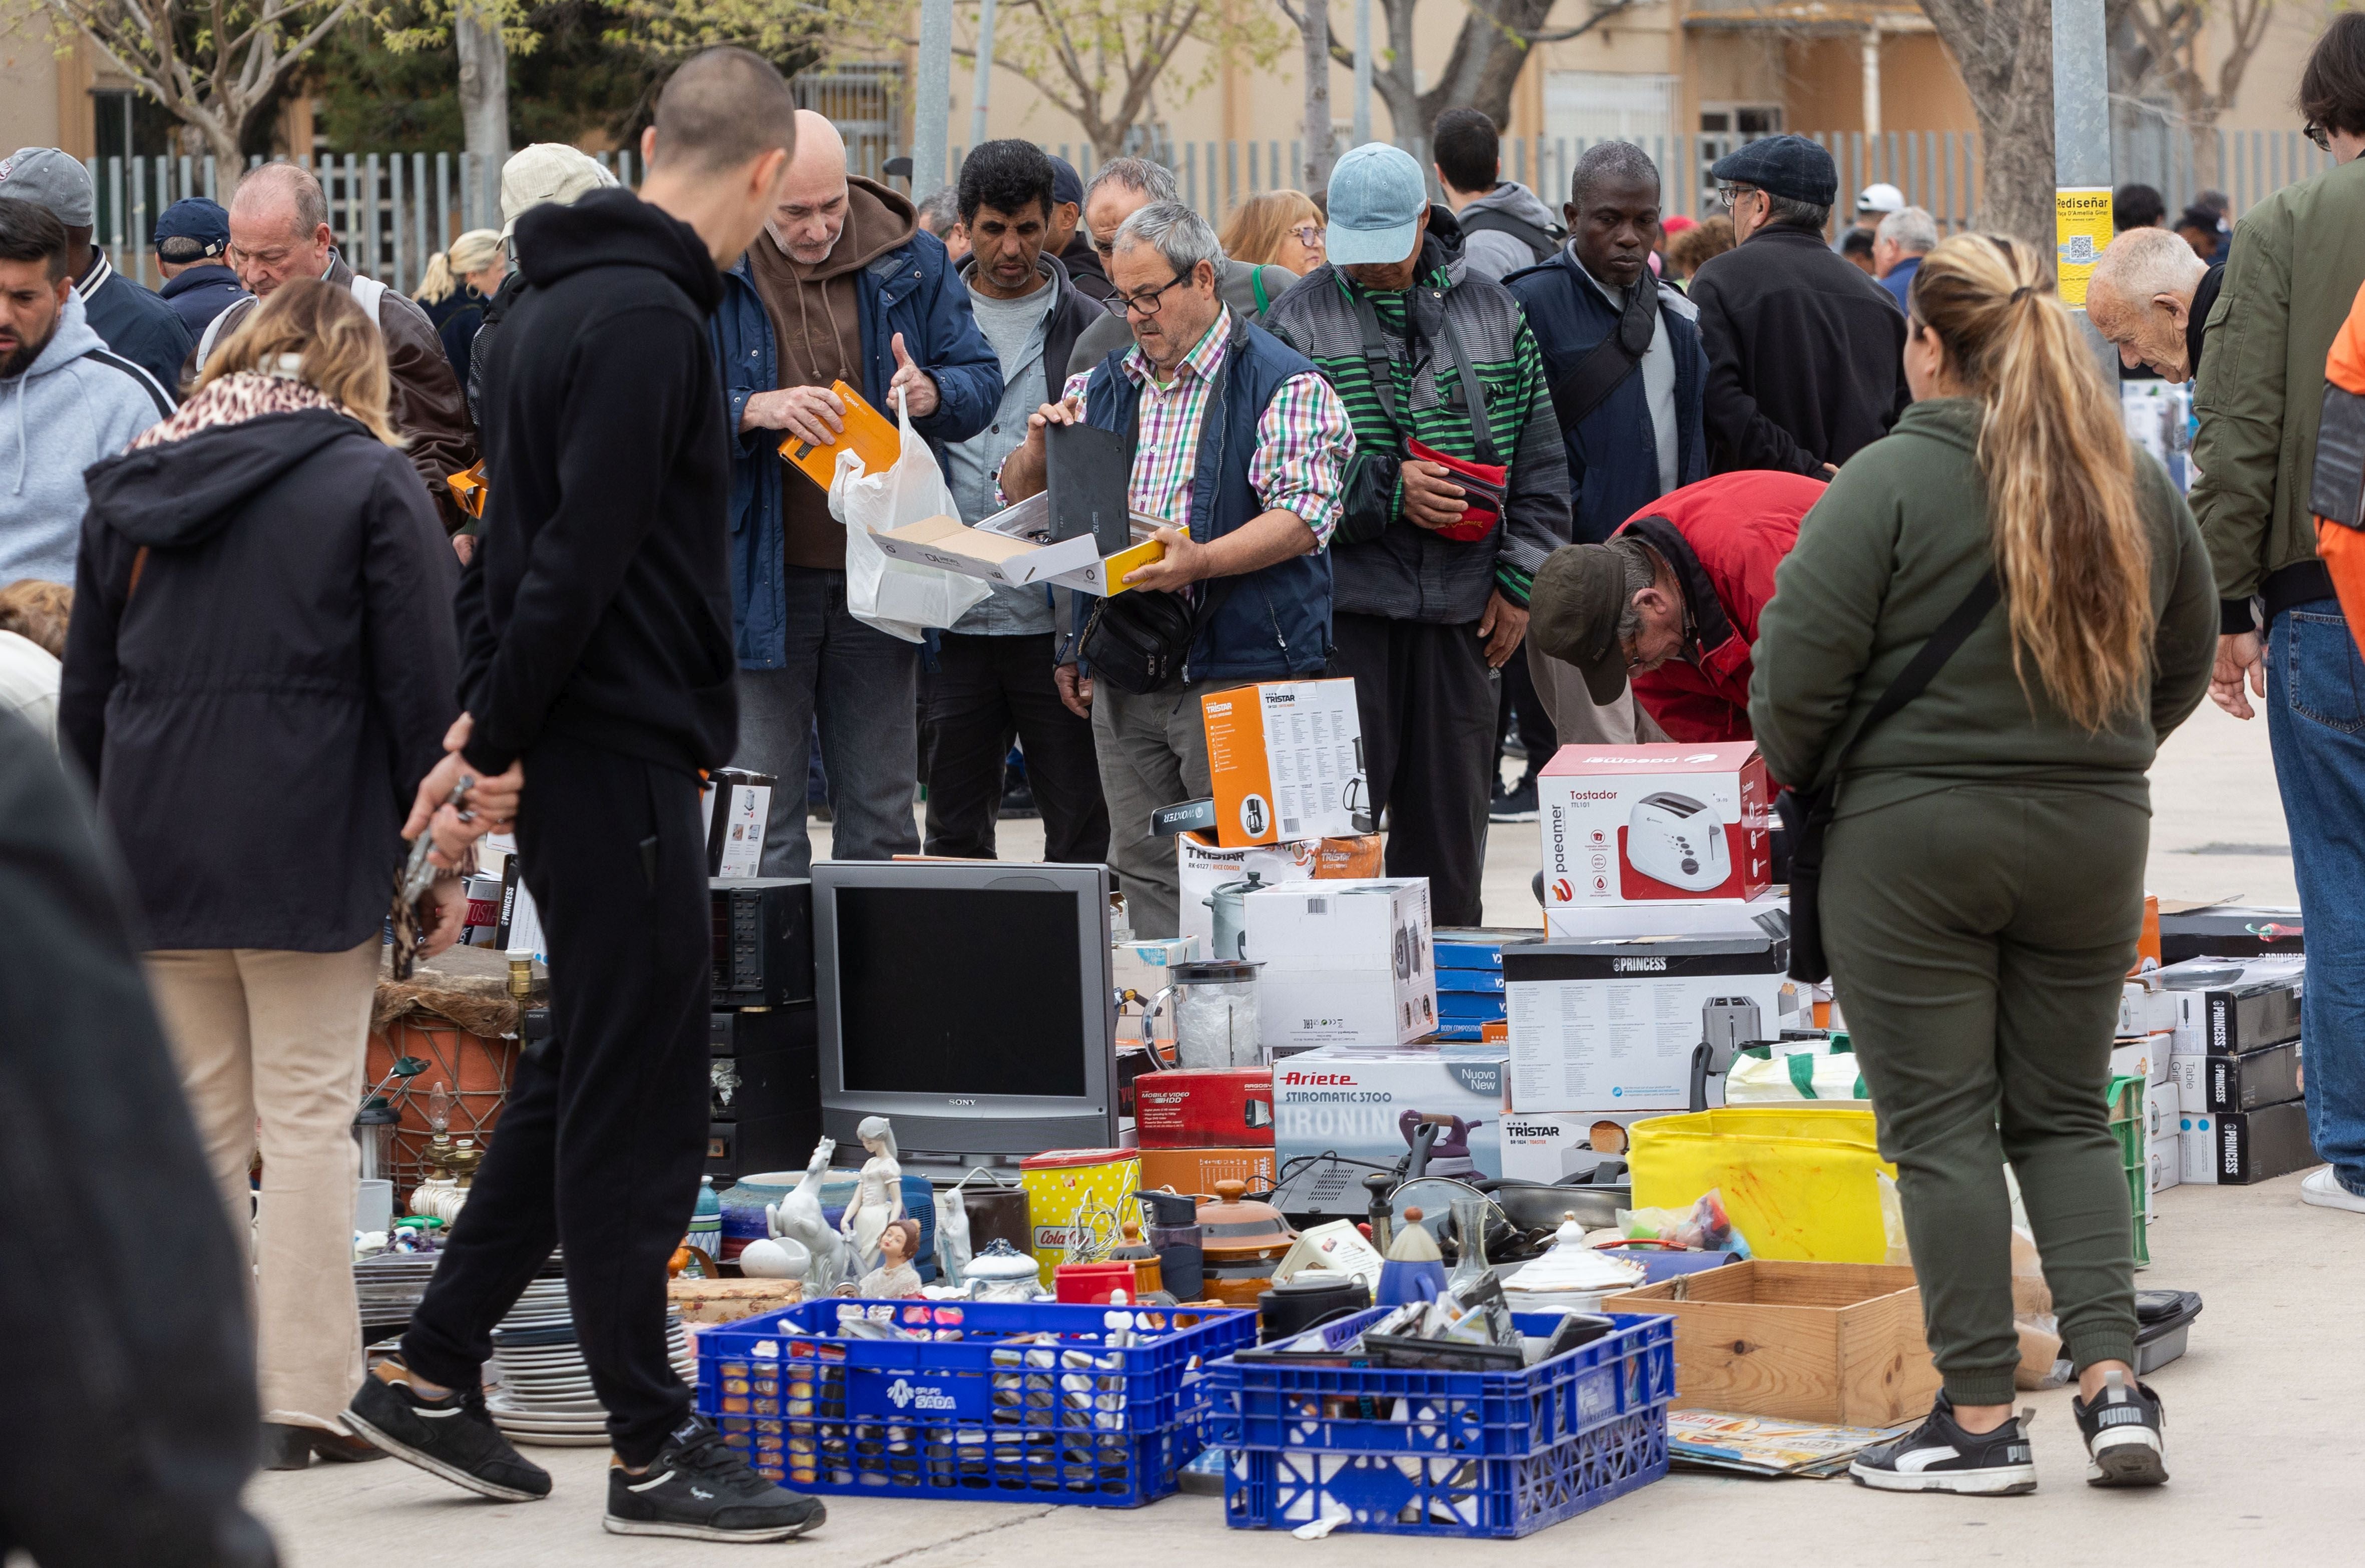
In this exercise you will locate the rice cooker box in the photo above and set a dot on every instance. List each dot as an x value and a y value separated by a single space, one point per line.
1371 1104
1654 824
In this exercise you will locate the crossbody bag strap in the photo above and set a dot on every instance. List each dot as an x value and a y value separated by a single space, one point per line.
1481 424
1377 363
1928 659
1591 379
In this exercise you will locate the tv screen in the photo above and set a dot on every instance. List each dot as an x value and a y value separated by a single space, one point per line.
953 990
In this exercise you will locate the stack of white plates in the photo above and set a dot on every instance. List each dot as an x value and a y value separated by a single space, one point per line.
537 1387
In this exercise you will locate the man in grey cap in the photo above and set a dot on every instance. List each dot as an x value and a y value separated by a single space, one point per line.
128 318
545 171
1804 351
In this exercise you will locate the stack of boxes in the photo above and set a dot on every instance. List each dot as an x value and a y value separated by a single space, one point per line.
1470 982
2236 1069
1197 1127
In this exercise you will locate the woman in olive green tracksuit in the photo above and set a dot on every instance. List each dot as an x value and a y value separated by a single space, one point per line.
1983 879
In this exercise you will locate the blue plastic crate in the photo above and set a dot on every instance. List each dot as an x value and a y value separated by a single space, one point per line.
983 1411
1277 1406
1404 1495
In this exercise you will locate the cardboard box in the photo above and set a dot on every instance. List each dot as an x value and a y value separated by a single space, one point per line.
1287 760
1768 912
2144 1008
1653 824
2163 1103
1837 1342
1368 1104
2146 1058
1547 1147
1201 867
1198 1169
2167 1155
1013 547
1616 1023
1203 1108
2229 931
738 805
2230 1006
1142 966
2234 1148
1345 963
2240 1083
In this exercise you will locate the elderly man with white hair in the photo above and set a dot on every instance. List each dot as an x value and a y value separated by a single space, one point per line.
1900 241
2150 296
842 286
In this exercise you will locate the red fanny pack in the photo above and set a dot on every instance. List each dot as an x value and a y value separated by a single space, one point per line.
1482 486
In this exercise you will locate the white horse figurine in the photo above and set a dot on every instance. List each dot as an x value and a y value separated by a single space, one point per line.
799 1217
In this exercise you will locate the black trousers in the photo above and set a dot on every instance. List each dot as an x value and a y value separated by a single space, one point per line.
601 1143
982 692
1426 702
1521 710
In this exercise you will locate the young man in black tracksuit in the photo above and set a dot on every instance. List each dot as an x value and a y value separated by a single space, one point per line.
596 630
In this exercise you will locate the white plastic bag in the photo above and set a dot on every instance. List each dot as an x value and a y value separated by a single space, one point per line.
900 598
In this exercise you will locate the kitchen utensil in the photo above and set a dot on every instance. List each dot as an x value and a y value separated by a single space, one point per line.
1311 1299
1243 1240
1214 1014
1174 1232
1231 917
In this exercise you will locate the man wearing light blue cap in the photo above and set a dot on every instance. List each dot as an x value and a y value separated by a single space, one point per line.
1457 491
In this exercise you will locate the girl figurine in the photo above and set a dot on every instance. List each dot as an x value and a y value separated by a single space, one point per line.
878 1200
895 1278
1415 1270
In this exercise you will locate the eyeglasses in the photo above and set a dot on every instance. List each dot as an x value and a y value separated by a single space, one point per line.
1731 195
1148 304
2317 134
1310 235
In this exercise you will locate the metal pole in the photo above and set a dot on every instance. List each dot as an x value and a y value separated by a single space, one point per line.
932 108
2081 156
984 73
1362 72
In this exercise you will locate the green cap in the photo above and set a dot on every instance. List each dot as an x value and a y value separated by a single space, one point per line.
1574 610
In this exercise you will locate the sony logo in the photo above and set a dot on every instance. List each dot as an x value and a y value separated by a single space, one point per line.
961 1102
1638 966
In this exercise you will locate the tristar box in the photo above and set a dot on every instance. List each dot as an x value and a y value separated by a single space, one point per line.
1768 912
1653 824
1371 1105
1550 1145
2234 1148
1598 1024
1287 761
2239 1083
1203 1108
1346 962
1212 881
2227 1007
1013 547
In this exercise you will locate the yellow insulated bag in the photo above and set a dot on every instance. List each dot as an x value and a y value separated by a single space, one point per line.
1801 1183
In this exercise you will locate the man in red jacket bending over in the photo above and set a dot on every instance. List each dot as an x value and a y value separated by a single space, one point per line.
1673 600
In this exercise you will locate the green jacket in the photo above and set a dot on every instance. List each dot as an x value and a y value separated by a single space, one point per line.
2297 262
1894 546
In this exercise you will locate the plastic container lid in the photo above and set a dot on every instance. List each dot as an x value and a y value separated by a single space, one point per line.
1052 1159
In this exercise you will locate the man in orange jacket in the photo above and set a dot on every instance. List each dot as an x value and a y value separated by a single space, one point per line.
2337 495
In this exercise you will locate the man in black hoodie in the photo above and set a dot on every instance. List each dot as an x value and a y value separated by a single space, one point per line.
595 626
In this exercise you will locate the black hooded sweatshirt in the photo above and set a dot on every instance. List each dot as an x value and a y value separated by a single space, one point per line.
599 603
258 712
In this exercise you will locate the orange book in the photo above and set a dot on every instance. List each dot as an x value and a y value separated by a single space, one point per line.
869 434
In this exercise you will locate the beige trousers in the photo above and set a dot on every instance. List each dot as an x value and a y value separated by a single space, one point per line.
1576 719
282 1037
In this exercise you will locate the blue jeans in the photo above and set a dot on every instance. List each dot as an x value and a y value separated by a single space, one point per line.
862 686
2315 721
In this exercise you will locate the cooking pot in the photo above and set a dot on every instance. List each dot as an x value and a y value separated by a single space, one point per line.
1231 920
1243 1240
1533 1206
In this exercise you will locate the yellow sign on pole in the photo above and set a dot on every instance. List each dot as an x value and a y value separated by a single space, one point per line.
2081 227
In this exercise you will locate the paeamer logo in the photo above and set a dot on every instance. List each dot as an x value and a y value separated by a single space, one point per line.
904 1397
1562 892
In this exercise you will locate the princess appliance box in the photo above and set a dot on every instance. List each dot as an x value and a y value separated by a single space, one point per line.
2230 1007
1608 1023
1345 962
1376 1106
2234 1148
1653 824
1287 758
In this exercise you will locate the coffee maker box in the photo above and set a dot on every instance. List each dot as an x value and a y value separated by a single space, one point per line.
1286 759
1606 1023
1345 962
1654 824
1371 1105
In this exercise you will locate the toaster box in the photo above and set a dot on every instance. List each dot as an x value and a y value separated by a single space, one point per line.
2234 1148
1211 880
1203 1108
2229 1007
1372 1105
1550 1146
1769 912
1654 824
1345 962
1616 1023
1287 758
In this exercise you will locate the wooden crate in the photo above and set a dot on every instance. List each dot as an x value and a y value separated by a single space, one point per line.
1837 1342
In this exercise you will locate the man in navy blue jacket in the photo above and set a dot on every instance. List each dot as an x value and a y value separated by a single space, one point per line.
843 284
1631 417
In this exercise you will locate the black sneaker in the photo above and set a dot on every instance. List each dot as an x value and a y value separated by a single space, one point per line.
2127 1434
699 1488
1514 805
1939 1456
452 1436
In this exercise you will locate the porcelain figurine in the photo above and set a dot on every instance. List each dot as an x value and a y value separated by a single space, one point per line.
878 1200
776 1258
952 1237
797 1218
1416 1269
895 1278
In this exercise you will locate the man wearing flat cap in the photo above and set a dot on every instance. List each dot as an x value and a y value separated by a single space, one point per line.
1671 601
1804 351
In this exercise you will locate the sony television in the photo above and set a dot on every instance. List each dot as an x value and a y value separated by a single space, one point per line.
971 1002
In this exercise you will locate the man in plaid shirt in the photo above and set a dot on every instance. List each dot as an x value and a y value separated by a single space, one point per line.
1241 448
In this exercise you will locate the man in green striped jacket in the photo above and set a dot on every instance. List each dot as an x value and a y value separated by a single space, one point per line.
1430 566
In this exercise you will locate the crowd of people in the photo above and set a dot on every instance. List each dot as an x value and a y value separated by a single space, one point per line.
1515 473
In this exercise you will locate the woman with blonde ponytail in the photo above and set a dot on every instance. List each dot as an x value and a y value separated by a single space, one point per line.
454 289
1981 885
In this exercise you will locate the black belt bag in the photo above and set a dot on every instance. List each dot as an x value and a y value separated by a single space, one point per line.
1139 641
1806 813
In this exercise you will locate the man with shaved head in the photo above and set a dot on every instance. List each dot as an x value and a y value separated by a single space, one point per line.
279 231
2150 296
842 286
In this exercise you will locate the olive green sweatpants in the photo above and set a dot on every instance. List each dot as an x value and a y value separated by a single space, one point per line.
1979 937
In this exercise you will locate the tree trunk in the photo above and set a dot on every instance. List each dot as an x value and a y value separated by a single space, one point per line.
484 95
2004 50
230 162
1318 133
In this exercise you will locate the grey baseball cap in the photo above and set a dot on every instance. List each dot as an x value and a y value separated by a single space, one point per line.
46 177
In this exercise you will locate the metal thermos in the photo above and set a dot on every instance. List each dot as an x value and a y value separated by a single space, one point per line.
1174 1232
